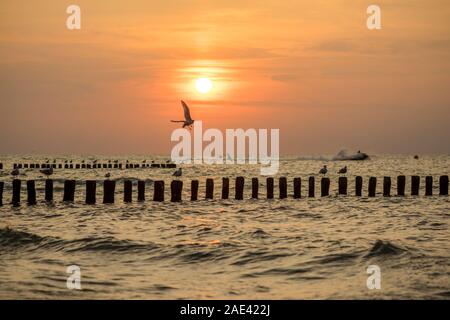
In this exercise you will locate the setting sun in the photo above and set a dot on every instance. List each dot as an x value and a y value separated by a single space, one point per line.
203 85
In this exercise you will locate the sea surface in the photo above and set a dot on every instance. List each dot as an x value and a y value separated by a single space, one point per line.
308 248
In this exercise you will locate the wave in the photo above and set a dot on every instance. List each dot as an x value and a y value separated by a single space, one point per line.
11 239
382 248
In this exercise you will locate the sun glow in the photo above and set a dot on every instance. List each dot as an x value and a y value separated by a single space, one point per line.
203 85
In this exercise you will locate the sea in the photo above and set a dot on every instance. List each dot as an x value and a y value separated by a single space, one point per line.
307 248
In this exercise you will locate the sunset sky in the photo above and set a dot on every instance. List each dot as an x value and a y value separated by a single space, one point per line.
310 68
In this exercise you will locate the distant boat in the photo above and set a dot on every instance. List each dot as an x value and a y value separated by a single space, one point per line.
343 155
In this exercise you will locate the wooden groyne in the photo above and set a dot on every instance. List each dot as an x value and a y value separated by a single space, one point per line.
176 189
91 165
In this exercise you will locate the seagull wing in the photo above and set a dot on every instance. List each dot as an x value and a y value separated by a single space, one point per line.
187 114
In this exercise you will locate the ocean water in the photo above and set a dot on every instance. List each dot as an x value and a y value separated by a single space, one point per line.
309 248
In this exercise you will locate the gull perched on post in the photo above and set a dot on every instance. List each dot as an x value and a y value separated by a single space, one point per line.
324 170
343 170
47 172
177 173
187 122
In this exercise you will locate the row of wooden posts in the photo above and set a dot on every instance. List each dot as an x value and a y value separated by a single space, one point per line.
176 187
90 166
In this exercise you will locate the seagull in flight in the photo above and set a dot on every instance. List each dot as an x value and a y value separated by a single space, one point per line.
187 122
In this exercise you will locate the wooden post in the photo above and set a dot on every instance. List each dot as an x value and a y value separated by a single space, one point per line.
387 186
311 187
176 187
372 186
91 188
158 192
1 192
401 182
194 190
283 187
209 189
141 190
255 188
109 188
16 192
443 185
127 191
358 186
31 192
415 183
342 185
325 187
239 188
429 186
297 188
225 188
69 190
269 182
49 190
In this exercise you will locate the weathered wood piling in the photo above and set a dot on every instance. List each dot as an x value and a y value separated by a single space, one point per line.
269 186
342 186
297 188
401 182
372 186
325 187
69 191
358 186
239 188
311 187
176 188
141 191
415 184
31 192
1 192
91 190
16 192
283 187
255 188
49 190
428 185
209 194
443 185
194 190
387 186
109 189
225 188
127 191
158 191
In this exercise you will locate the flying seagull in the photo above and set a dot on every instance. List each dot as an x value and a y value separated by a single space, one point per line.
187 122
324 170
343 170
177 173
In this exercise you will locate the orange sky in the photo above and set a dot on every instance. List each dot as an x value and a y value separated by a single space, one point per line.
310 68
